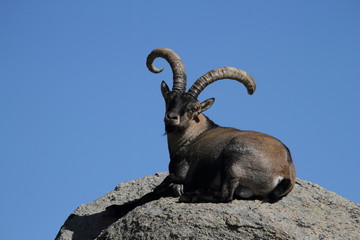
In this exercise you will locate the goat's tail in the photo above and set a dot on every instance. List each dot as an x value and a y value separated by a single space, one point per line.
285 186
280 191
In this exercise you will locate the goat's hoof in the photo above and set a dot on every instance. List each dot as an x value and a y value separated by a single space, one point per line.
178 189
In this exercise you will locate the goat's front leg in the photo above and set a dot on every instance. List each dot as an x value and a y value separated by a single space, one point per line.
178 169
171 181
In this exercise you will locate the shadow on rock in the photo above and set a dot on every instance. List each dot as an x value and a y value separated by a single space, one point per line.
90 226
119 211
86 227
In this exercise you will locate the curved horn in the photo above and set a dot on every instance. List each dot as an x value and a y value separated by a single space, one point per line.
177 66
222 73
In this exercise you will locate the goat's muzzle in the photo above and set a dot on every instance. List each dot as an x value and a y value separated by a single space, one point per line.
172 119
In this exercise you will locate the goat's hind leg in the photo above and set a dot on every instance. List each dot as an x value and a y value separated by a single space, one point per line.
204 195
198 196
225 194
228 187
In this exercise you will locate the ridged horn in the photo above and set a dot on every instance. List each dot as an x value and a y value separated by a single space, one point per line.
177 66
222 73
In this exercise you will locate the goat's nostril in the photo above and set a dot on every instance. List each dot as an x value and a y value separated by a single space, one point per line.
172 116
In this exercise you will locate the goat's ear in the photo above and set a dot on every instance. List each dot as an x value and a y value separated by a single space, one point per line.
205 105
164 89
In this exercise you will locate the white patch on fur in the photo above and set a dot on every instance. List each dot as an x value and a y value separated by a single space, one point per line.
277 180
244 192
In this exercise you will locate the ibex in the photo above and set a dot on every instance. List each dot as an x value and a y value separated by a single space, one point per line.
209 163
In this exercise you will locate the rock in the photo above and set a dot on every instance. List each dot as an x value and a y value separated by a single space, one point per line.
308 212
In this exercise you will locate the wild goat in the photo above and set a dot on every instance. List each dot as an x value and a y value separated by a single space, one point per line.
209 163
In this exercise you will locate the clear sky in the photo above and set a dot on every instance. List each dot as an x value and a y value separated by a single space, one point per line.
80 112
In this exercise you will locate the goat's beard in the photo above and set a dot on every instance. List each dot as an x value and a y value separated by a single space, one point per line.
173 129
170 129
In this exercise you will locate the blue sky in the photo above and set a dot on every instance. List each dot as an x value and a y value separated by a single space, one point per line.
81 113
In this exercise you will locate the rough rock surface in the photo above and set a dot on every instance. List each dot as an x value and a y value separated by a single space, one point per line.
309 212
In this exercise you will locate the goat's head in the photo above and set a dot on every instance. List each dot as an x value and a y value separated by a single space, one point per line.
183 107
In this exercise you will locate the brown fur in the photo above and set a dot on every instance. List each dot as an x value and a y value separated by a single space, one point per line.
215 163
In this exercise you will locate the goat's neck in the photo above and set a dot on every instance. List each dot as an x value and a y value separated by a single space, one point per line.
178 140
